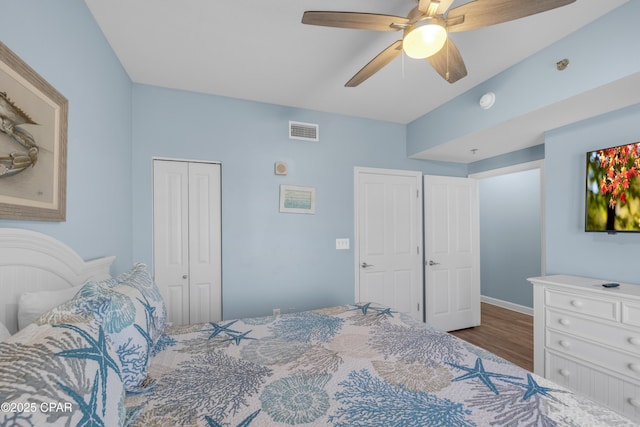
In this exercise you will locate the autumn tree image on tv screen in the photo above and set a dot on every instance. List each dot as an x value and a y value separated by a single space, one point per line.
613 189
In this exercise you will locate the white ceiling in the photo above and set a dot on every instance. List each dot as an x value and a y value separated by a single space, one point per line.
259 50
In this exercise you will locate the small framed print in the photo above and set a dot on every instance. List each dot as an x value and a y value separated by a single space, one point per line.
296 199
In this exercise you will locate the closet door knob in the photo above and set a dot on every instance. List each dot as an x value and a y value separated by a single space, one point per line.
184 276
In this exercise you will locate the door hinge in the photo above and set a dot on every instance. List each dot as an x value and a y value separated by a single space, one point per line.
418 194
418 306
418 250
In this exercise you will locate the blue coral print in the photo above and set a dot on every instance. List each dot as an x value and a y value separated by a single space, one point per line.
297 399
307 327
368 401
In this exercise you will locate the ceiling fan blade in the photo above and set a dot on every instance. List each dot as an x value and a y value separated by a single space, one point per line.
483 13
376 64
448 62
428 7
444 5
355 20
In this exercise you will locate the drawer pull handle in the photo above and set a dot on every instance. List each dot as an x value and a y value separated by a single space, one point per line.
634 402
564 372
634 367
567 344
634 341
576 303
564 322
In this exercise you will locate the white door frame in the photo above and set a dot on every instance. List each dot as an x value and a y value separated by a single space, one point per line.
356 233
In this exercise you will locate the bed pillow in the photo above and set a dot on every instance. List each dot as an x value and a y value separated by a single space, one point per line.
123 315
139 278
4 332
32 305
72 366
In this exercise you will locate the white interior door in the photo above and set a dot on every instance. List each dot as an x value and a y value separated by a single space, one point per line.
452 252
389 239
186 239
171 236
205 279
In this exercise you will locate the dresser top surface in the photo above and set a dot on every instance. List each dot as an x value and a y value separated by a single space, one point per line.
588 284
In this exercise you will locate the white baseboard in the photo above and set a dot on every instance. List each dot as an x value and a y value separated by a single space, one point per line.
508 305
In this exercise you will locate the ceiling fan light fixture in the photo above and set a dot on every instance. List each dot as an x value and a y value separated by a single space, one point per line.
424 39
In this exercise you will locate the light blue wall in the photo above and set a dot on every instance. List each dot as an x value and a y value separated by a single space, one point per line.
510 235
61 41
570 250
270 260
600 53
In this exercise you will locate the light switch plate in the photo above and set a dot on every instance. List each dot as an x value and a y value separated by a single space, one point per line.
342 244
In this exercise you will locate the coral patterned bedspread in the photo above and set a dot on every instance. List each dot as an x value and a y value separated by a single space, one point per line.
347 366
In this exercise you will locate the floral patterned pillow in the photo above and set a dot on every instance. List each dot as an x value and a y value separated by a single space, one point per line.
60 375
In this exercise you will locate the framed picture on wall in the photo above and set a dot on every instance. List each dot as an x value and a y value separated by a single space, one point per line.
33 143
295 199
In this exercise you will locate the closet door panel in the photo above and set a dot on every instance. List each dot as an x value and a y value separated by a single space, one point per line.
204 243
171 237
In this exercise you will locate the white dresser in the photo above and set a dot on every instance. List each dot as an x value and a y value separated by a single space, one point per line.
587 338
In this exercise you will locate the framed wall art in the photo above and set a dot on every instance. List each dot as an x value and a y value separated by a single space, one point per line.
295 199
33 143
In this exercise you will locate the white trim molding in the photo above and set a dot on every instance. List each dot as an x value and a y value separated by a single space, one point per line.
508 305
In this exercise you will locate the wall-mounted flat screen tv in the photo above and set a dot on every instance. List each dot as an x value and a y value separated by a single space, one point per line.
612 200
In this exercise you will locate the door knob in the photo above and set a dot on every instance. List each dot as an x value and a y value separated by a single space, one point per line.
365 265
432 262
184 276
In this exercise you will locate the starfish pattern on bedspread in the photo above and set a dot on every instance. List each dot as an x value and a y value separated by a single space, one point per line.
217 329
97 351
239 337
233 335
532 388
364 308
480 373
384 312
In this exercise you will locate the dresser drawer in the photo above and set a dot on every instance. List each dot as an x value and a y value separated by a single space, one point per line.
595 330
625 364
619 395
601 308
631 314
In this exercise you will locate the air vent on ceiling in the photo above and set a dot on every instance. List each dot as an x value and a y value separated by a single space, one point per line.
304 131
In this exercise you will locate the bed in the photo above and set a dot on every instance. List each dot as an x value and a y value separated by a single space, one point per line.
354 365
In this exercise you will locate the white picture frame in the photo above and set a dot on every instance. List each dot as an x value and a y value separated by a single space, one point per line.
297 199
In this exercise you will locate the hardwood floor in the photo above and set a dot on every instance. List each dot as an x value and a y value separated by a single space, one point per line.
507 333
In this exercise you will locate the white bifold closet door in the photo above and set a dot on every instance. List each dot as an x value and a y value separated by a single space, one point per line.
186 239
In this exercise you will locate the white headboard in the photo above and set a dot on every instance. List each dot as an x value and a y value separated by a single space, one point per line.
32 261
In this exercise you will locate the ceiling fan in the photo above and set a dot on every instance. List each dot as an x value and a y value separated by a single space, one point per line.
425 30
